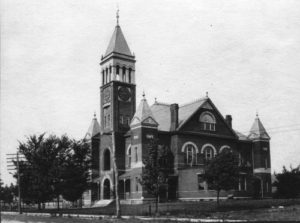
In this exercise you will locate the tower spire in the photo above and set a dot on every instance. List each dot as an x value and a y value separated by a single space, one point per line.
117 16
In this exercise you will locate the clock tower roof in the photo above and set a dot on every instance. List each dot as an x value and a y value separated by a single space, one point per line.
118 44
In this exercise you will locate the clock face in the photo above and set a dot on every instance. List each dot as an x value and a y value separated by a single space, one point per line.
106 95
124 93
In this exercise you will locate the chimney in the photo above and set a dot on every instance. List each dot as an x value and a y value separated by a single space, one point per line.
228 120
174 116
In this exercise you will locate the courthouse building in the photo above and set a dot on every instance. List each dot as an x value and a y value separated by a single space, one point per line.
195 132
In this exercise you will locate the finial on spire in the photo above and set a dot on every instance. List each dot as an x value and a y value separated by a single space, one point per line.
155 100
256 114
143 95
118 15
94 114
207 94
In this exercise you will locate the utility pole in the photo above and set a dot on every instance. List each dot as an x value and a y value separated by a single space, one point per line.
19 185
116 175
13 161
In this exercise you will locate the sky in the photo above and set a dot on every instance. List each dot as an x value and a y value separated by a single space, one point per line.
244 53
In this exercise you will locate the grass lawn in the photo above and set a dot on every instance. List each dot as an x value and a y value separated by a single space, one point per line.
200 209
291 213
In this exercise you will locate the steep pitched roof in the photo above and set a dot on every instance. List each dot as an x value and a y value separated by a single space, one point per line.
162 114
143 114
241 136
257 130
117 43
187 110
93 130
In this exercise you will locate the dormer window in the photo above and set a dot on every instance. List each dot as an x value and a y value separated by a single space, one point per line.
207 121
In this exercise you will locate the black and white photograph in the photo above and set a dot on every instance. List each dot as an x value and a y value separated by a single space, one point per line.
150 111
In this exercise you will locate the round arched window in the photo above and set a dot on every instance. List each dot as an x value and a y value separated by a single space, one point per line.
190 154
207 121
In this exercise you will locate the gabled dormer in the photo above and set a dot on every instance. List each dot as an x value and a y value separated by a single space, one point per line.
203 117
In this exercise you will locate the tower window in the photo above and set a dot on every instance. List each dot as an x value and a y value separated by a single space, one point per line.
107 75
118 72
136 154
106 160
121 119
136 184
103 77
129 75
124 74
104 121
108 120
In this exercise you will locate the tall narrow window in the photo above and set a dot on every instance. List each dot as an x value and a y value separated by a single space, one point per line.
190 151
208 153
107 75
106 165
266 163
103 78
108 120
118 72
136 184
121 119
124 74
136 154
104 121
129 157
129 75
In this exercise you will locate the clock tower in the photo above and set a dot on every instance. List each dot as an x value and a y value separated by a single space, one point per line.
117 92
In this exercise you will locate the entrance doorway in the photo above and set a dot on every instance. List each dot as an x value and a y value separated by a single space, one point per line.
106 189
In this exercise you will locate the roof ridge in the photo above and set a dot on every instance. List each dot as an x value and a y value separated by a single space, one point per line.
193 102
161 103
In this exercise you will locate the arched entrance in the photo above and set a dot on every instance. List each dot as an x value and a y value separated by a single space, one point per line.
106 189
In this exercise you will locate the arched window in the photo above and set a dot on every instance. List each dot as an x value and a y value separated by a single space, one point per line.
225 149
118 72
124 74
207 121
191 151
129 75
209 151
106 160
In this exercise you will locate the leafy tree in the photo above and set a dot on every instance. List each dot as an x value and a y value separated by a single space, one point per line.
54 166
40 153
288 183
75 171
157 167
221 173
7 194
